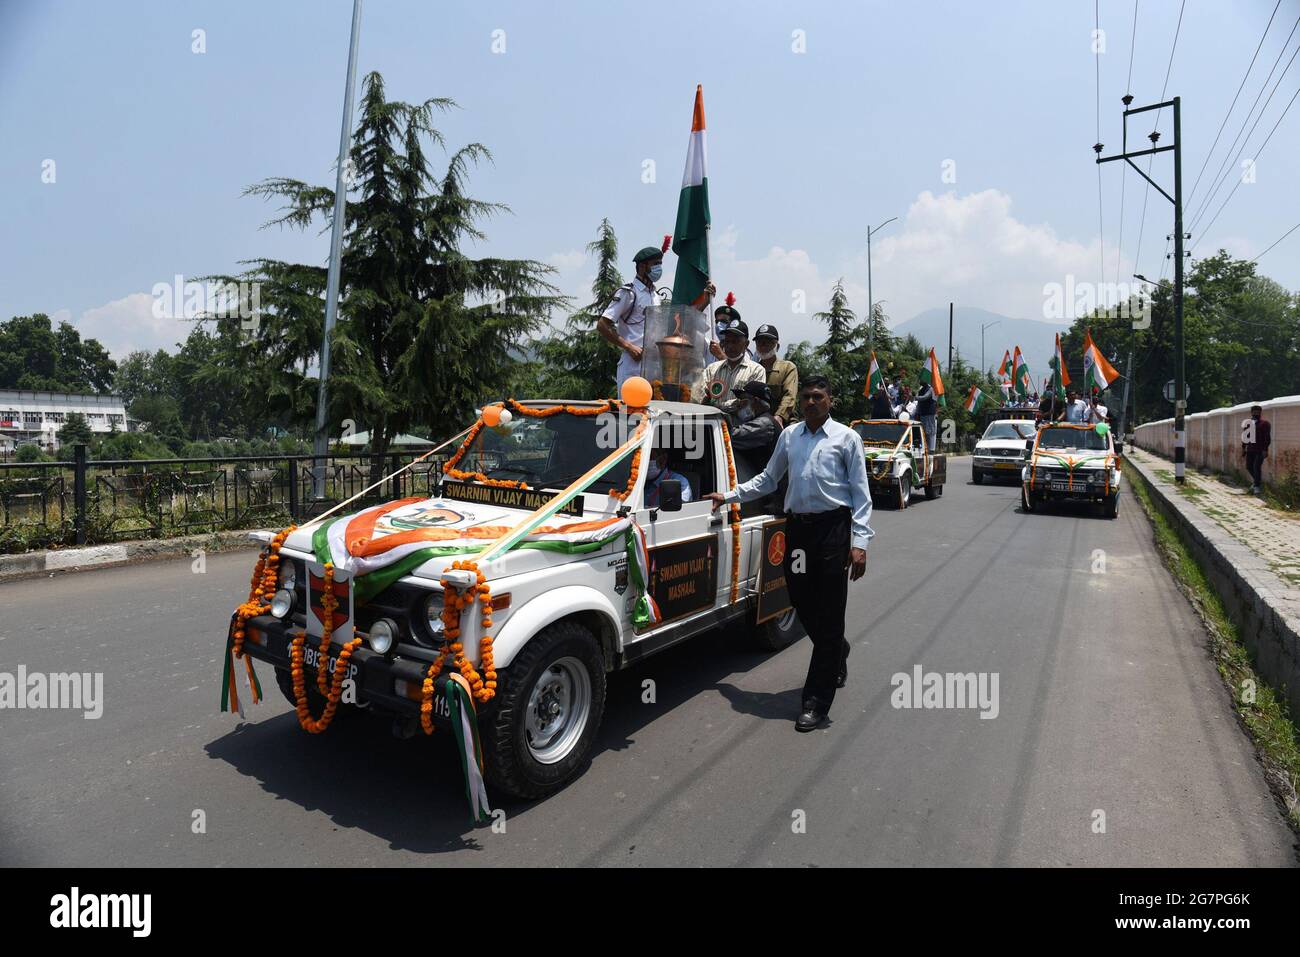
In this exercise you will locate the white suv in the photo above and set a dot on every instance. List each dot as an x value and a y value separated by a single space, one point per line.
1000 452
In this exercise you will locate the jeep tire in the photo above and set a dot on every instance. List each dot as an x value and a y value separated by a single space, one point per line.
546 713
777 633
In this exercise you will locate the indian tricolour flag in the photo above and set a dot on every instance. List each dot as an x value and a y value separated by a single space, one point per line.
1020 374
973 399
1060 378
930 374
691 235
1097 372
1004 370
875 379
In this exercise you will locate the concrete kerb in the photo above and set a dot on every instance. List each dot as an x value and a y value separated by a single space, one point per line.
30 564
1265 608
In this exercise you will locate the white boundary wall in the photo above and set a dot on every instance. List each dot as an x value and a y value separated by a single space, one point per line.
1214 437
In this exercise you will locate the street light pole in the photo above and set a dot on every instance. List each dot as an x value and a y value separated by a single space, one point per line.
983 368
871 333
336 255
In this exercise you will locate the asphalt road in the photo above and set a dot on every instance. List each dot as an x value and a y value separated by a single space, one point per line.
1107 702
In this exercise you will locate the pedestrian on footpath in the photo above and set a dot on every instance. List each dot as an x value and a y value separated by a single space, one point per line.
1256 437
828 506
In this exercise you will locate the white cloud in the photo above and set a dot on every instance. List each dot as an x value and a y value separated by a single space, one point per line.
568 261
129 323
971 250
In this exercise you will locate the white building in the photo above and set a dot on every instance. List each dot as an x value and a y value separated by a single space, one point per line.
36 417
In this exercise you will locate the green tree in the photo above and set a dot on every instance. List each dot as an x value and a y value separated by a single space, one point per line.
579 363
425 333
38 357
75 431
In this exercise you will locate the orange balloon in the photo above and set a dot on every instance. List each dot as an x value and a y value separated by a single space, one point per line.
636 392
491 414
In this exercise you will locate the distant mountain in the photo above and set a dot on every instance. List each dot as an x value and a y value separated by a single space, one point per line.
1036 338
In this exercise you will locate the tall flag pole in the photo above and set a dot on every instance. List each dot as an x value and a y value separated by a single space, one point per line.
875 379
691 234
1098 374
930 374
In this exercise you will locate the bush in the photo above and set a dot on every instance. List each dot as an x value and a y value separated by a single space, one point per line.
31 453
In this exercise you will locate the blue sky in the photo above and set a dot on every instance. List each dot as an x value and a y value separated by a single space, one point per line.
153 142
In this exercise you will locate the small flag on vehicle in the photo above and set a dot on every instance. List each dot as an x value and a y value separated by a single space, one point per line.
1060 377
930 374
973 399
874 377
1020 374
1097 372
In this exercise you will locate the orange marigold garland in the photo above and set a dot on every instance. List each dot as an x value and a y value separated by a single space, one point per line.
735 516
482 685
260 589
449 467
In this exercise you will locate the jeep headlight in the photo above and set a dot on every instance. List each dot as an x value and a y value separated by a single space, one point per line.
433 611
382 635
282 603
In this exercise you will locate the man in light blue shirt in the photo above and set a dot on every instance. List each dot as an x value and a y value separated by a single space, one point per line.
828 506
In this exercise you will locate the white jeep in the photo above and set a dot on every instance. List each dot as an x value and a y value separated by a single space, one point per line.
1000 452
566 603
899 460
1072 463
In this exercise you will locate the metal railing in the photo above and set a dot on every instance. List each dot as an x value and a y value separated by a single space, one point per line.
80 502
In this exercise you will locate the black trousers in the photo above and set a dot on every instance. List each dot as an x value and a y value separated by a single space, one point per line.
1255 466
816 569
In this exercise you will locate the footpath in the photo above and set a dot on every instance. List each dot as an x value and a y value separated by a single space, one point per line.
1250 553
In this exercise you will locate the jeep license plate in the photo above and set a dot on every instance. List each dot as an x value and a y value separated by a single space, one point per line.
1061 487
311 658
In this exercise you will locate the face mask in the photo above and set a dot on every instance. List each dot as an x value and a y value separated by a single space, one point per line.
656 272
654 471
766 354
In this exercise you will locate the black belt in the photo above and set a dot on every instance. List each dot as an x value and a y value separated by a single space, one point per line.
809 518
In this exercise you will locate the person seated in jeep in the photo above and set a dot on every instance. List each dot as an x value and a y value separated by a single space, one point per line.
656 473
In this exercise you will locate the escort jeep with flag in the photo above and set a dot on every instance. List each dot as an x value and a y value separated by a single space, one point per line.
496 606
1072 463
899 461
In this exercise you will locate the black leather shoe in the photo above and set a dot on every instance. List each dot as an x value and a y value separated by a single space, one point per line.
842 679
809 720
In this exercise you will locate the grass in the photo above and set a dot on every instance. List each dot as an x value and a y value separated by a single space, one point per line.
1275 734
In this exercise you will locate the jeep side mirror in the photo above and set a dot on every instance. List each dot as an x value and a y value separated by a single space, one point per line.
1119 447
670 495
1028 453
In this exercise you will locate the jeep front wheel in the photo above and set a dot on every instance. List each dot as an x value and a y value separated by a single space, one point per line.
778 633
548 709
1026 500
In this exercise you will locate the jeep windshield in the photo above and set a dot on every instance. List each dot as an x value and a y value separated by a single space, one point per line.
550 452
1055 437
1010 430
880 433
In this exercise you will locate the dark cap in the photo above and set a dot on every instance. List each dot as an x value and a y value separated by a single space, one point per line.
766 330
759 390
648 252
730 321
723 313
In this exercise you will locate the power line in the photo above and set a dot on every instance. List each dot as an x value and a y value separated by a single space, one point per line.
1096 60
1123 172
1234 103
1241 180
1220 175
1283 236
1242 151
1146 194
